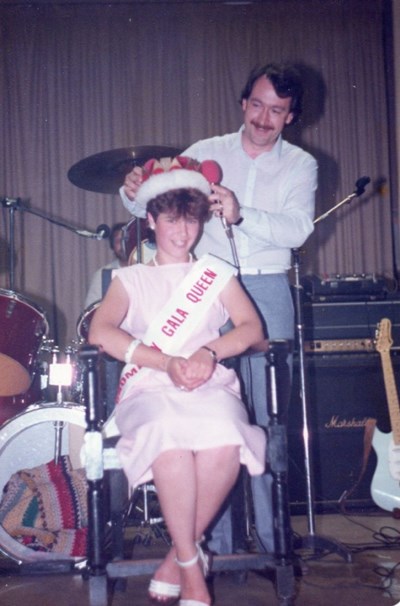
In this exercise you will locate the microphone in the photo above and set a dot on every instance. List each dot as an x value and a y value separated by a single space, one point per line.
6 202
102 232
212 171
361 184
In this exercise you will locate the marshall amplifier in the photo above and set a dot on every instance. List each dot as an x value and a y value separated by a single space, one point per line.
344 392
350 320
364 287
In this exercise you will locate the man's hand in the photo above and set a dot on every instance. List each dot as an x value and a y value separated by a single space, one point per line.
223 203
132 182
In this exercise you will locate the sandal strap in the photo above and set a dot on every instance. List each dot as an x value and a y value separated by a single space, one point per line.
164 589
191 562
205 561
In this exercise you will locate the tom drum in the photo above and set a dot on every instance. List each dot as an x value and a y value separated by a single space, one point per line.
23 328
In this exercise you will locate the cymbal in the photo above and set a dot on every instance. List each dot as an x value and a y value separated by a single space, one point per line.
105 172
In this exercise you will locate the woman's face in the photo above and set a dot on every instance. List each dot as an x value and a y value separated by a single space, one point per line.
175 236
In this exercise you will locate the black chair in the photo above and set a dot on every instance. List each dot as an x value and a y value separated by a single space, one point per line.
105 505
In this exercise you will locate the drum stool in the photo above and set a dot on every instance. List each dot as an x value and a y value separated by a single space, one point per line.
100 456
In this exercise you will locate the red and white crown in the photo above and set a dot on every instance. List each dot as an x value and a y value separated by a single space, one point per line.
166 174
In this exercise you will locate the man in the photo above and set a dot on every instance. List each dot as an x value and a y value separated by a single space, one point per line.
263 207
95 292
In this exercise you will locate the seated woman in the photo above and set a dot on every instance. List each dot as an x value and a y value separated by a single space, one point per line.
179 412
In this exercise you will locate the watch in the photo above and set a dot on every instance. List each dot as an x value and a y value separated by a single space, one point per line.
239 221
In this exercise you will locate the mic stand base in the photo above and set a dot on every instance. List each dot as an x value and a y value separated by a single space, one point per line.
320 544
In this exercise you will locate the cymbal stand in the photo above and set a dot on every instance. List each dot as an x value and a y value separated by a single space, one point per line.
312 540
11 204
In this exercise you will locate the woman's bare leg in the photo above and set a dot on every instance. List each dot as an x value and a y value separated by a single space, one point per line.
191 488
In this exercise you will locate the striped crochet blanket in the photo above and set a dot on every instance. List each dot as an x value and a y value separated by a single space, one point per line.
45 508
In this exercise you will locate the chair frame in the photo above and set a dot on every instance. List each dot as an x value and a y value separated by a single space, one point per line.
101 574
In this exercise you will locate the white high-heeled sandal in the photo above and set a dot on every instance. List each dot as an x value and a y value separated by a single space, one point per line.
162 589
200 555
166 590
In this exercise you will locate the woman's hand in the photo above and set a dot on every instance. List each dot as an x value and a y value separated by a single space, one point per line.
190 373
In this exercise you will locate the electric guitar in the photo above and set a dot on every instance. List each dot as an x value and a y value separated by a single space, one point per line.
385 485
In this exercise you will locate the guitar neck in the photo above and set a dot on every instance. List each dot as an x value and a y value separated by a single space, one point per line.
391 394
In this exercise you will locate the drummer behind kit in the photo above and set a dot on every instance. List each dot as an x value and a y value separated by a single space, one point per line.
129 243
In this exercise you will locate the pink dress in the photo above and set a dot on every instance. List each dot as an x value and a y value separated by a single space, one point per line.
157 416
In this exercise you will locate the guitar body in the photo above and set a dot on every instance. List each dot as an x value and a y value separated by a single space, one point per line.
385 485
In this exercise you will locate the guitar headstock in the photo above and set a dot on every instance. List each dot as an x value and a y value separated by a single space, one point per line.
384 339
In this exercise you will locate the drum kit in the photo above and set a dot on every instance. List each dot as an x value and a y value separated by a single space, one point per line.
41 388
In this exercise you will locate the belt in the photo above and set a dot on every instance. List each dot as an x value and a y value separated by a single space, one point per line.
251 271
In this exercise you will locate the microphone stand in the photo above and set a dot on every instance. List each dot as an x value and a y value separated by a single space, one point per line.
14 204
312 540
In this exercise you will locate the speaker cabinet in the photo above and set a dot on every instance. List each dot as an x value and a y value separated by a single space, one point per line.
344 390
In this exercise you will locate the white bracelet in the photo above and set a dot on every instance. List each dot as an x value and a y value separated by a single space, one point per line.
131 348
212 353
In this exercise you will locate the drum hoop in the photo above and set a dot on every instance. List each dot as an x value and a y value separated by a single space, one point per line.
11 294
86 312
38 412
11 429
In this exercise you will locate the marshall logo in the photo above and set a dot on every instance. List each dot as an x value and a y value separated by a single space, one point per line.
336 422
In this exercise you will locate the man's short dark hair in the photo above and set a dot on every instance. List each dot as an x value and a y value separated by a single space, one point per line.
285 79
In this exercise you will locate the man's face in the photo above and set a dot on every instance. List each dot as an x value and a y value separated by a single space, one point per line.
265 116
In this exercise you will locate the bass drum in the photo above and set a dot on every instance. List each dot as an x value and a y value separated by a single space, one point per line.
29 440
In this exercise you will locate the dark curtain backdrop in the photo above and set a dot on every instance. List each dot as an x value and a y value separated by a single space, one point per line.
79 79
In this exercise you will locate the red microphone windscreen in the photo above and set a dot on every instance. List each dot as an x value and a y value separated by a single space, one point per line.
212 171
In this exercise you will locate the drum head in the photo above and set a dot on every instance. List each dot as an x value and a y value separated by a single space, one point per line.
14 378
29 440
23 327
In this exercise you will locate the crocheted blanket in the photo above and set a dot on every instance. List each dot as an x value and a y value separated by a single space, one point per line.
45 508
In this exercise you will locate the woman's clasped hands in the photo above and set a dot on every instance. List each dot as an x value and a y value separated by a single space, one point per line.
192 372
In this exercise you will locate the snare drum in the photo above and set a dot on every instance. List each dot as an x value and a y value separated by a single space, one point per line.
29 440
23 326
83 324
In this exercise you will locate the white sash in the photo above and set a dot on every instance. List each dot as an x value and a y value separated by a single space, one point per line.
176 321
